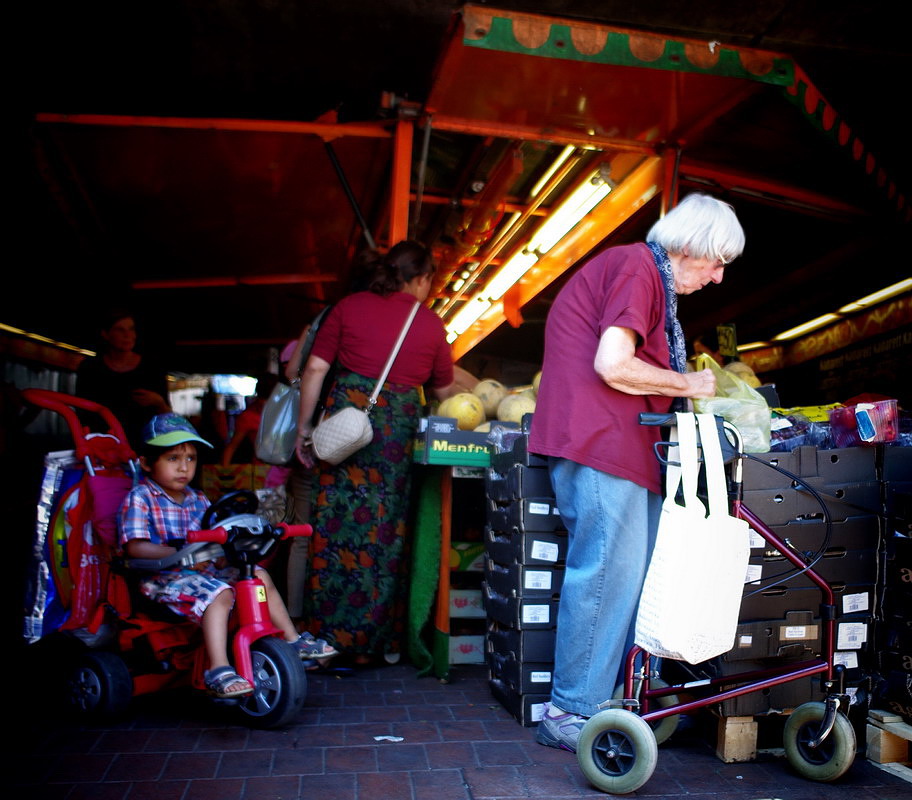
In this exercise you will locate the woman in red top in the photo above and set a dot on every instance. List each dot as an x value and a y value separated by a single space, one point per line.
361 506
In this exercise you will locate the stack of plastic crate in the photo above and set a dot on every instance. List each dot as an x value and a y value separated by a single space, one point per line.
525 551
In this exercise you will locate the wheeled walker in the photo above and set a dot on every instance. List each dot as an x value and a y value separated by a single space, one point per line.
117 643
617 748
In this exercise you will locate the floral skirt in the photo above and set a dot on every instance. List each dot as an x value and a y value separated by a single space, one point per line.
360 510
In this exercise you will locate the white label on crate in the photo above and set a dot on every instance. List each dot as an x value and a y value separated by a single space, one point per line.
779 423
852 603
754 573
794 632
540 677
848 660
544 551
539 579
537 711
852 692
851 635
755 539
746 640
536 614
539 508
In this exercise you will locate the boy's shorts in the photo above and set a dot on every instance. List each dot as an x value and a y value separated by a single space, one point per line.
189 592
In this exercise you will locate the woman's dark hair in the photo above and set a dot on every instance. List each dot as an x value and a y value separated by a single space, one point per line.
404 262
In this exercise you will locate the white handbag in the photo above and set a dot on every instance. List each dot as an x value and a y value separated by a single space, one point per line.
691 597
343 433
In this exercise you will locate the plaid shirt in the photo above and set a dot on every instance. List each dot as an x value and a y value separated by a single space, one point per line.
149 513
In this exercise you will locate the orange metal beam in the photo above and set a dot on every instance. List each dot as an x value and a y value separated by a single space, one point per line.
326 131
733 181
443 122
401 181
243 280
637 189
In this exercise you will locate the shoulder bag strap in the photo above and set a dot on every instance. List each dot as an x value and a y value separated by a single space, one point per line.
372 401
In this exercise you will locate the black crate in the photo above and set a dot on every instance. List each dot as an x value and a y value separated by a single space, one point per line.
522 580
517 454
836 566
522 645
524 677
837 466
794 636
528 514
844 500
517 482
808 535
533 547
776 601
522 613
528 709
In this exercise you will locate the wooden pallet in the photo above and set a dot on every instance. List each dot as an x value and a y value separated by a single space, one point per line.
888 738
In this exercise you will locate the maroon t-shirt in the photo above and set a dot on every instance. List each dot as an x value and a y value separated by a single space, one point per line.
362 328
577 415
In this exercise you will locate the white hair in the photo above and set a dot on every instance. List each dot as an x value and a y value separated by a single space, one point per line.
701 226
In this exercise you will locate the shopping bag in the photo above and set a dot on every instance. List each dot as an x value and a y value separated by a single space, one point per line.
339 435
736 402
275 440
691 597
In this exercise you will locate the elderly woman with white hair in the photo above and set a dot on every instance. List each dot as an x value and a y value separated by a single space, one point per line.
613 349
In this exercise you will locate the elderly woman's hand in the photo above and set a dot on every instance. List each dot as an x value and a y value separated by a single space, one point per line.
702 383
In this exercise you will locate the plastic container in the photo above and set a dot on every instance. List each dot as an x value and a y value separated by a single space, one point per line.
864 423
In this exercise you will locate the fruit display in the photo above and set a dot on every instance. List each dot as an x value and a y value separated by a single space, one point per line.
465 408
490 392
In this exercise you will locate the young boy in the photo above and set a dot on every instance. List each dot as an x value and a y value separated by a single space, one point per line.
154 521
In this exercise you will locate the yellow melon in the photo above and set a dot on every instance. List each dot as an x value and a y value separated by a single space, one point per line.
490 392
514 406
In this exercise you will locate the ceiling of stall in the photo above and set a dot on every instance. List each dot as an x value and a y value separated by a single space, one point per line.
211 165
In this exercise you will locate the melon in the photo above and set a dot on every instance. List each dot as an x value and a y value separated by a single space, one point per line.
466 408
490 392
514 406
536 382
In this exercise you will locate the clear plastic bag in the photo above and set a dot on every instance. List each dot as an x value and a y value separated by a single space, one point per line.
737 403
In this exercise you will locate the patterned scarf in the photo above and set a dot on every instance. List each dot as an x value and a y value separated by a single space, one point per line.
675 335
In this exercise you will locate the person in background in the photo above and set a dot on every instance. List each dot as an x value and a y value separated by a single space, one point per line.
708 343
361 505
248 423
614 349
132 385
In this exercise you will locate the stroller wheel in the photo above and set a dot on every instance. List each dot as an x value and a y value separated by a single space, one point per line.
99 683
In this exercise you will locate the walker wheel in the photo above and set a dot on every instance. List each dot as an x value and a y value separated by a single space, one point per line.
832 757
666 726
617 751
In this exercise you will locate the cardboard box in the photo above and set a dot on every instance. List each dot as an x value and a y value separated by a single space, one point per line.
217 480
466 603
795 636
439 441
532 547
523 645
467 649
467 556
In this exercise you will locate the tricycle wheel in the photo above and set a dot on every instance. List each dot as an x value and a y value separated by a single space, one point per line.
99 683
280 684
666 726
832 757
617 751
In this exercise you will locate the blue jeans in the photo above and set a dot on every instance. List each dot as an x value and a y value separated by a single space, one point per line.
612 524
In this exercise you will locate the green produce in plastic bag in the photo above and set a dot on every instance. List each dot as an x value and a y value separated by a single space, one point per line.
737 403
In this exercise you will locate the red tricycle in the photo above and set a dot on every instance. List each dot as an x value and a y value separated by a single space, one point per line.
81 589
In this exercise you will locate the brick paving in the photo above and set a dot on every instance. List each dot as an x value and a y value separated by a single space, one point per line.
457 743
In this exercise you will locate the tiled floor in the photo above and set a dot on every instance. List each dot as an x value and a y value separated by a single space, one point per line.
374 734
